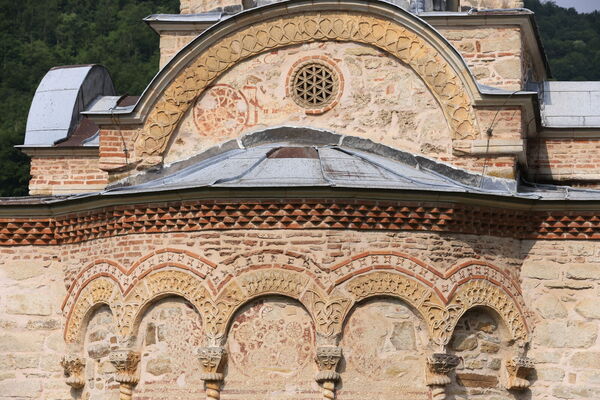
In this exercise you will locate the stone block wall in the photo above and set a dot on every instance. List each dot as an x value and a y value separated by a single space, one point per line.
31 324
561 286
494 54
202 6
482 344
100 340
491 4
172 42
560 281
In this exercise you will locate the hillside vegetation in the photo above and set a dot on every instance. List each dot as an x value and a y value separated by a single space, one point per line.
571 41
37 35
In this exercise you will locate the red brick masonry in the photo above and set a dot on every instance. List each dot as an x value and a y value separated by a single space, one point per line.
299 214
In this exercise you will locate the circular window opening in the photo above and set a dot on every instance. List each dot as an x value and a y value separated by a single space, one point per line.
314 86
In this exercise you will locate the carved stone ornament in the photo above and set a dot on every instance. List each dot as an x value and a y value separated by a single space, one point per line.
125 362
519 369
327 359
74 367
439 366
213 361
315 84
394 38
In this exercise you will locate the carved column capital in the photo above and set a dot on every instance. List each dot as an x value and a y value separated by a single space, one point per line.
327 360
213 361
519 369
439 365
74 370
126 362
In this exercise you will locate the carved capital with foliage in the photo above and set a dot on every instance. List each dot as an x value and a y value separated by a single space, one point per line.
439 365
125 361
519 369
213 361
327 360
74 370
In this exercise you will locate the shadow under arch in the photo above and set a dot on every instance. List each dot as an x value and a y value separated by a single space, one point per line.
483 294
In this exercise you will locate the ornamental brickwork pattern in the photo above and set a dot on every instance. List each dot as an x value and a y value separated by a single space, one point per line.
299 214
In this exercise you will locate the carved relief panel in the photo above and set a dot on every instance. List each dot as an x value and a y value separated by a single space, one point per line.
271 348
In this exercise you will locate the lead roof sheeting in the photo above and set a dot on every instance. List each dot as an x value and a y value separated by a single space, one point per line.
570 104
51 110
334 167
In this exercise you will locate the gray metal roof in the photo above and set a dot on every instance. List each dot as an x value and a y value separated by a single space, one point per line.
213 16
59 99
281 165
332 166
570 104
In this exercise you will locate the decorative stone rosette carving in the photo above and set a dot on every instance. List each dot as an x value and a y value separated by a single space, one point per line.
407 46
327 360
519 369
125 362
74 370
213 361
439 365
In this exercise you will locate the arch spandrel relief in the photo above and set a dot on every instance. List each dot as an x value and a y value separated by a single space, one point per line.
436 304
271 347
370 94
441 298
391 37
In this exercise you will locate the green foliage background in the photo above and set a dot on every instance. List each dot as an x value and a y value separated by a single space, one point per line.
571 40
38 35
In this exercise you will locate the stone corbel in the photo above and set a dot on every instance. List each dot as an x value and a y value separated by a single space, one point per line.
327 360
74 370
213 361
439 366
519 369
125 362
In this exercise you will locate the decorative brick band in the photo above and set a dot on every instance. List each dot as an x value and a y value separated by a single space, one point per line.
194 216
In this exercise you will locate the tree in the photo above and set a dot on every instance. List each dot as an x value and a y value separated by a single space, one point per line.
37 35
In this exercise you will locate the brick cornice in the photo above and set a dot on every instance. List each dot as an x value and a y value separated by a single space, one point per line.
197 215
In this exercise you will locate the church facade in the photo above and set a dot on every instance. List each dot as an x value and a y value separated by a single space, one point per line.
311 200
